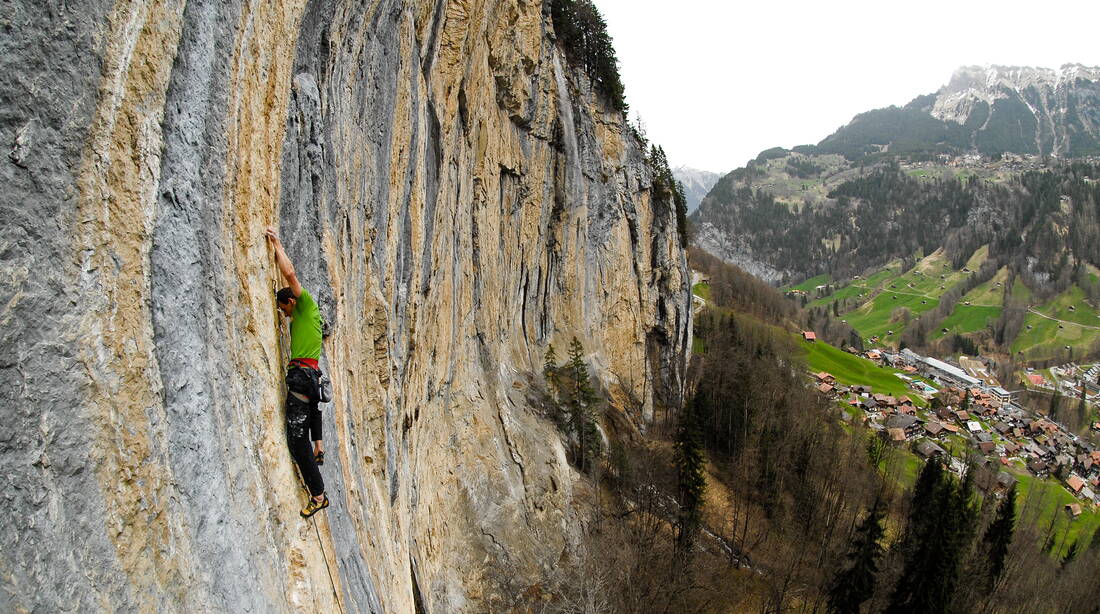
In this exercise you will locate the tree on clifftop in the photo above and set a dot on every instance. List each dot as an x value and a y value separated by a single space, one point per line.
583 34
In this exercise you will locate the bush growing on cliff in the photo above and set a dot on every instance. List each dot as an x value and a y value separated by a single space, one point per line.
583 34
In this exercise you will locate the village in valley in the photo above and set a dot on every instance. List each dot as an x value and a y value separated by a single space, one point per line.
970 420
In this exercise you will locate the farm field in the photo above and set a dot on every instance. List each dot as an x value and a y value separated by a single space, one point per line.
856 287
876 318
917 289
967 319
811 283
1043 337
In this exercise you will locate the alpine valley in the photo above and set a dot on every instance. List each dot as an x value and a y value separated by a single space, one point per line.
968 217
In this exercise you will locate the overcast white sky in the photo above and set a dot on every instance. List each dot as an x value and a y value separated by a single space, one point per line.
716 82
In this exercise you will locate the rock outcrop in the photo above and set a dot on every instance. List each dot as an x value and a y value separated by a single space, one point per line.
454 195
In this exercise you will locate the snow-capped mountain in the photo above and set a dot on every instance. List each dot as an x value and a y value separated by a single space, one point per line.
696 184
1052 111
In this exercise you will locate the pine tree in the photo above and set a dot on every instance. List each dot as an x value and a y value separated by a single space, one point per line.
998 537
581 407
550 364
856 583
933 548
690 472
1070 555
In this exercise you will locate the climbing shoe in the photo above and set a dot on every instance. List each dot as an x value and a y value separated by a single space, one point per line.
320 457
314 506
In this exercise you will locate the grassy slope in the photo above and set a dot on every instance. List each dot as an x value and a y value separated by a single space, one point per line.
917 289
811 283
985 307
990 293
967 319
1039 501
851 369
1044 337
1043 501
702 290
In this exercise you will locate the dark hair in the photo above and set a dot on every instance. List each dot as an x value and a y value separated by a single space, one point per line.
284 295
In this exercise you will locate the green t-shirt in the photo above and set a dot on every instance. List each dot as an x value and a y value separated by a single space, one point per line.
305 328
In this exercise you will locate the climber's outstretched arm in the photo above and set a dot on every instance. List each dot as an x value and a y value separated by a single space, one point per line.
285 266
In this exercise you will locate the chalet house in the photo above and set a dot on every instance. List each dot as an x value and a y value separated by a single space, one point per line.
1005 481
987 447
896 435
825 378
910 425
928 449
1063 460
809 335
1073 509
989 477
1088 494
951 428
885 400
825 388
1075 484
934 429
1038 467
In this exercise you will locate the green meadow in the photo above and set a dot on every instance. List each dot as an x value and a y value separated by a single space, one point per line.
850 369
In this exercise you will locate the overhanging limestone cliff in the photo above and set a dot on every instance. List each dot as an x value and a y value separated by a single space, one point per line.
457 199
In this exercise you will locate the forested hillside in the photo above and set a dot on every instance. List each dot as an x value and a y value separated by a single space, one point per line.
827 513
1044 222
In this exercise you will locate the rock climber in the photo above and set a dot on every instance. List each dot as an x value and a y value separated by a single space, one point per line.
302 378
